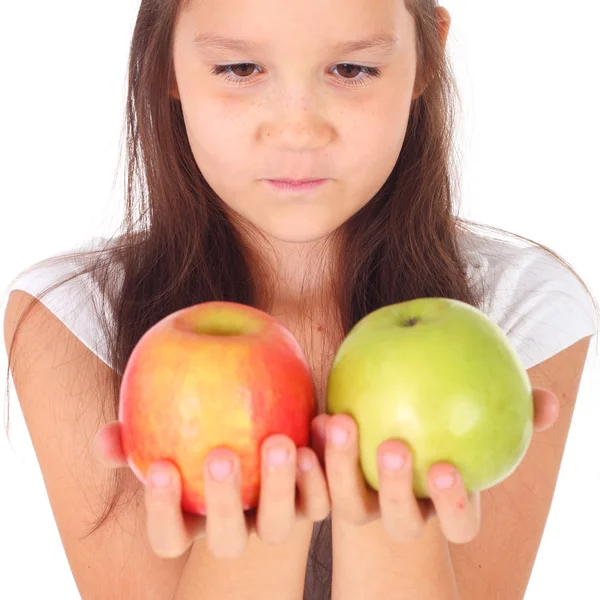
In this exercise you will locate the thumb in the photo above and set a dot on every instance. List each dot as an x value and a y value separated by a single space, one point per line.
546 408
107 446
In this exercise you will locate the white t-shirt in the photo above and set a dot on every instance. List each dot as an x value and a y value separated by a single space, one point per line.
538 303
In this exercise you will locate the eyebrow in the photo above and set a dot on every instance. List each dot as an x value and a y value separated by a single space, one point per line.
384 42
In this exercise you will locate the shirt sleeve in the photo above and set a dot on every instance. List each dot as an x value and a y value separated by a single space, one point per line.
541 305
73 302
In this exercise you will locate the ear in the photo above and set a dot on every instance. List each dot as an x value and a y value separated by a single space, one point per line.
443 24
443 19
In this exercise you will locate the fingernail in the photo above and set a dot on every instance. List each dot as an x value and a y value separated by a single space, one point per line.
338 436
392 462
160 479
305 464
277 456
444 482
220 469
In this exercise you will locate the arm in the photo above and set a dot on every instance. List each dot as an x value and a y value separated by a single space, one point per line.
514 513
61 386
264 572
499 561
368 564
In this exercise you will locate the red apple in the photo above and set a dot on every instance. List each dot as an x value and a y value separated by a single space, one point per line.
213 374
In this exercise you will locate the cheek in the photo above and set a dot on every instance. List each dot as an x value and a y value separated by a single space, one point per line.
219 144
374 146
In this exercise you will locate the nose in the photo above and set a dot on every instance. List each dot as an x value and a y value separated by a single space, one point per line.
298 128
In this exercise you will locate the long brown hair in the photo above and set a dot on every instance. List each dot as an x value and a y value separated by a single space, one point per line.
177 244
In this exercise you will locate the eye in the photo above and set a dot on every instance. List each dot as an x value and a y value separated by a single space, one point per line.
225 71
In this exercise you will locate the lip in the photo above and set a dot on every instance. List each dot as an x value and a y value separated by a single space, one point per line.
295 186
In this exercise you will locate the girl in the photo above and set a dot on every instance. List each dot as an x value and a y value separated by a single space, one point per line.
229 101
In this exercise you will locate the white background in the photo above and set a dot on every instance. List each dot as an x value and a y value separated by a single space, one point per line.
529 141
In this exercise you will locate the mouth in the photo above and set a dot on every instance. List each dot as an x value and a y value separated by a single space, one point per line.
295 186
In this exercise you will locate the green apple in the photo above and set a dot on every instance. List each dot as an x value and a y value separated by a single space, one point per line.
442 377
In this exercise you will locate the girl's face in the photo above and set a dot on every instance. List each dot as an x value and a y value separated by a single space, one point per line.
295 106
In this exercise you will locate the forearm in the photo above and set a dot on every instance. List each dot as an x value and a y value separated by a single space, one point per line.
264 572
367 564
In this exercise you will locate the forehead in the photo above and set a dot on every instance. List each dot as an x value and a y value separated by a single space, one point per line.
322 24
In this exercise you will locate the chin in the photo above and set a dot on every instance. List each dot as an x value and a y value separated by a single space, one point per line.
300 229
295 222
298 236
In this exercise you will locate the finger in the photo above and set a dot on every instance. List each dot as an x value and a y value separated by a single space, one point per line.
350 496
226 528
107 446
401 514
458 511
318 436
313 502
276 514
168 531
546 409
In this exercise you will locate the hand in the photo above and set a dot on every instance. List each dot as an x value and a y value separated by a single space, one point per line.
402 514
226 527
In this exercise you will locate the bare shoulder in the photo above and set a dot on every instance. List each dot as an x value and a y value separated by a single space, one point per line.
62 388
